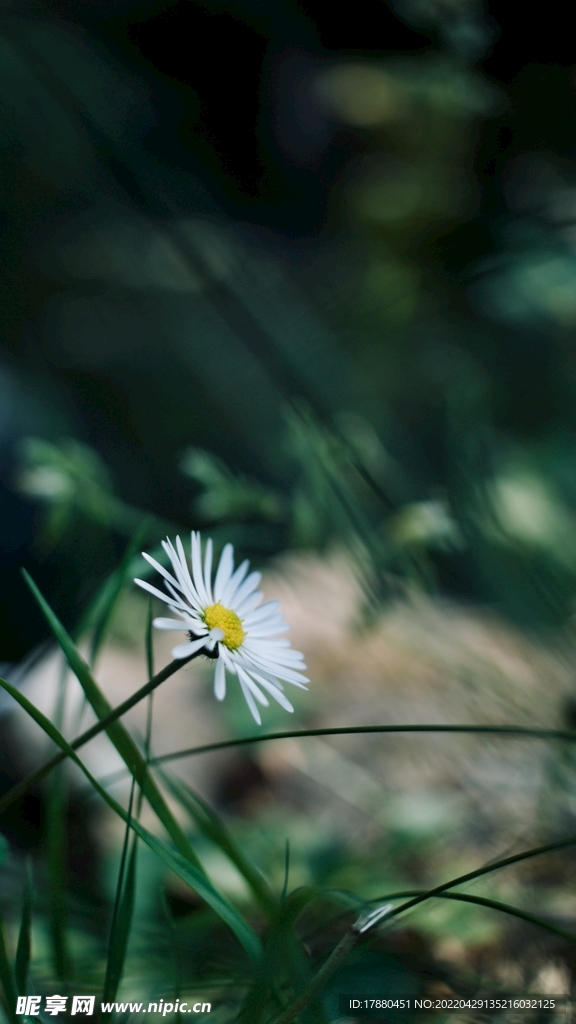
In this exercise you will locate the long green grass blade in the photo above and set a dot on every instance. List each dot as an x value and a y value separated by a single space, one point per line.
149 644
512 731
23 949
117 733
123 909
56 841
276 960
40 773
112 592
483 901
349 940
172 931
214 829
286 870
7 977
337 957
195 877
515 858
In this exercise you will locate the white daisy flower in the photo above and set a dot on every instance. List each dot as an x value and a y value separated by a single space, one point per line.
225 620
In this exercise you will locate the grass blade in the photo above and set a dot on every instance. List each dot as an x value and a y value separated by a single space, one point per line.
186 869
515 858
350 938
123 909
23 948
512 731
214 829
483 901
172 931
112 592
276 958
35 776
149 643
286 870
117 733
56 858
7 977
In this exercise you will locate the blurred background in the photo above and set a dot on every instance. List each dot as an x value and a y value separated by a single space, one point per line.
304 276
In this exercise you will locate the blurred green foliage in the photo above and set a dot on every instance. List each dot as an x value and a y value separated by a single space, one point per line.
398 382
383 386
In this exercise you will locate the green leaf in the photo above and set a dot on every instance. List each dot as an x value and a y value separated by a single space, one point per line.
37 774
195 877
481 901
278 958
213 828
172 931
22 962
7 977
56 857
495 865
119 736
506 731
350 938
123 910
111 592
149 643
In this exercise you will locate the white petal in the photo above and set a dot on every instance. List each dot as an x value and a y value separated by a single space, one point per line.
274 619
179 598
247 587
270 608
267 649
197 574
256 648
248 603
181 569
234 582
278 646
254 689
152 590
159 568
208 569
220 680
185 650
265 631
287 674
178 563
183 573
257 672
284 646
274 691
251 703
224 653
224 571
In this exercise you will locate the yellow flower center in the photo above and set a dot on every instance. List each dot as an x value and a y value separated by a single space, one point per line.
217 617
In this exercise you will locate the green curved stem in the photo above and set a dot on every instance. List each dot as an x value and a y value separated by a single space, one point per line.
536 851
483 901
316 984
516 731
350 938
39 773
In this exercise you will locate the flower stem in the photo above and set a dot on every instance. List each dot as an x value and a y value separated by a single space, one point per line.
39 773
337 956
513 731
